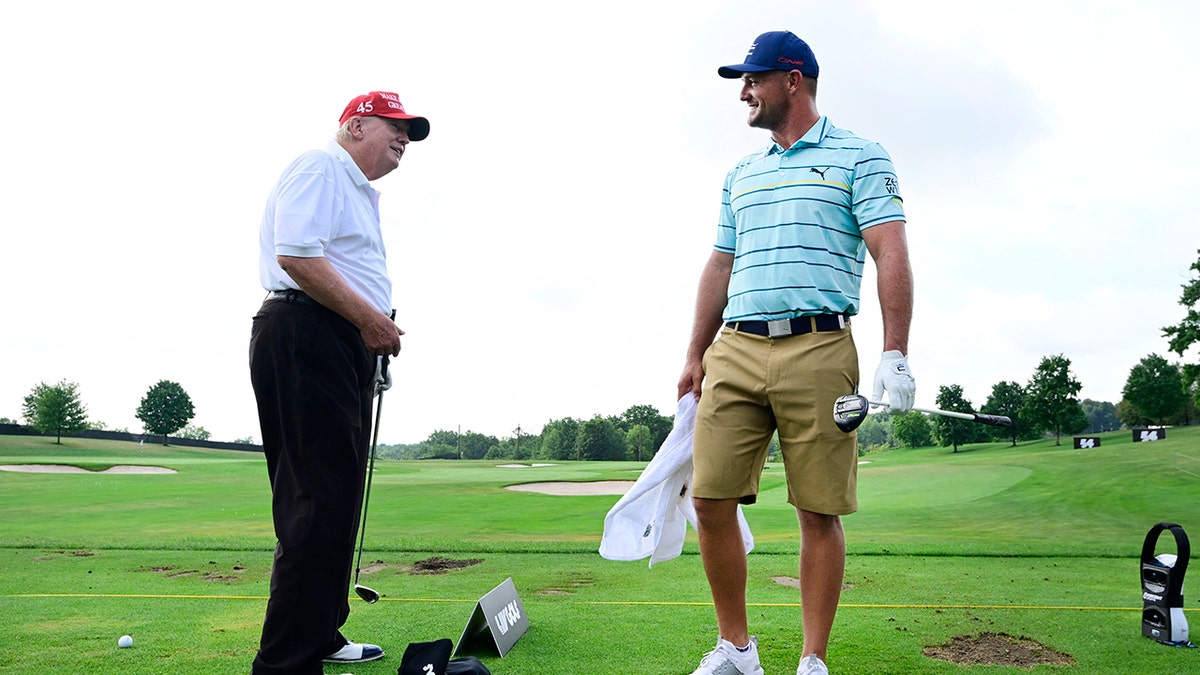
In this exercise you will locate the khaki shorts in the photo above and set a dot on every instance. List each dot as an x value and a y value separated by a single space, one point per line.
754 385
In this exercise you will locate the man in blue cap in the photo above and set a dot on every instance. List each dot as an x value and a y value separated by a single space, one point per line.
781 286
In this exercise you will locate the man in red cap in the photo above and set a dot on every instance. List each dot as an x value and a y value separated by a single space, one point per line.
313 351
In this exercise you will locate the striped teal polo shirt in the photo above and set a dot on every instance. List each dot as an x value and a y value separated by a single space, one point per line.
793 220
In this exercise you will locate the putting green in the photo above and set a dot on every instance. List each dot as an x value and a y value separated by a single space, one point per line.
935 484
922 486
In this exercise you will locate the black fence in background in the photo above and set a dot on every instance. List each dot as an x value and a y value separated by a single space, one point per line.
19 430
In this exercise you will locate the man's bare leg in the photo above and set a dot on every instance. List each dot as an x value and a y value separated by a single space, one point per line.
822 569
724 559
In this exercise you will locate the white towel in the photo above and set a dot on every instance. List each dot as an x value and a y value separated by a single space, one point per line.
650 520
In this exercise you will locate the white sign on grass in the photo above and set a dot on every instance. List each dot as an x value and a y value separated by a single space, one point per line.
499 614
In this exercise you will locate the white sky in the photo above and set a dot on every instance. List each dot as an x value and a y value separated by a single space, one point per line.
546 240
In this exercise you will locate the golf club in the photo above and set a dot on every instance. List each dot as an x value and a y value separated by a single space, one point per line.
370 595
851 410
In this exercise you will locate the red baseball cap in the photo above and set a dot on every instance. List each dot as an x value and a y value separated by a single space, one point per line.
386 104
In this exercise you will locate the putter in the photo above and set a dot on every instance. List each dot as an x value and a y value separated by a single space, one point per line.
851 410
370 595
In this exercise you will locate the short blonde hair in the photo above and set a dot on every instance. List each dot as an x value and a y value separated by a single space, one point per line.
343 134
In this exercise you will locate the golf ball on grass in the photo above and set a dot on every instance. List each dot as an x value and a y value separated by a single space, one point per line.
125 641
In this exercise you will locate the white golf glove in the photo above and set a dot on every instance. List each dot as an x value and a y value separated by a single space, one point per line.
894 376
383 376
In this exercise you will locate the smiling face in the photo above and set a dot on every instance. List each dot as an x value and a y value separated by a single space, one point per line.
767 95
380 144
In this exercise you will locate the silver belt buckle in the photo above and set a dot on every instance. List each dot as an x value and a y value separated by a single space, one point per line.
779 328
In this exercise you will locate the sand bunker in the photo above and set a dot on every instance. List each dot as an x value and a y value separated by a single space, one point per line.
67 468
570 489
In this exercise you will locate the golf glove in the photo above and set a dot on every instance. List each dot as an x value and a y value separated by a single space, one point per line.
383 375
894 376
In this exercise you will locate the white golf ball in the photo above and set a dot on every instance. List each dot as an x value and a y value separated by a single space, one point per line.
125 641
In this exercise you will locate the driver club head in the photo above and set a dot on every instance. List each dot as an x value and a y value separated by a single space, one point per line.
370 595
850 411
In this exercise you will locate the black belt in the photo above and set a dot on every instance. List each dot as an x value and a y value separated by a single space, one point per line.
291 295
800 325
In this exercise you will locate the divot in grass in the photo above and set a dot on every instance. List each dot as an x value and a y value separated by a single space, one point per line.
795 583
439 565
997 649
569 584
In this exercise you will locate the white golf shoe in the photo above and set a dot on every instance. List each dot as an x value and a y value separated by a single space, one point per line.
812 665
726 659
354 652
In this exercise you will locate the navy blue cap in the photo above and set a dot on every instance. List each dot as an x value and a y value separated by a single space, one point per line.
777 50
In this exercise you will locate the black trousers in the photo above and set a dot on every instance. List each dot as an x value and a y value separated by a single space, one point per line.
313 380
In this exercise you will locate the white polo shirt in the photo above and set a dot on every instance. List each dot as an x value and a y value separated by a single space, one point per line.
323 206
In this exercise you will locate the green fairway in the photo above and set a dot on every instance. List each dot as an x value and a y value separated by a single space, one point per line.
1038 541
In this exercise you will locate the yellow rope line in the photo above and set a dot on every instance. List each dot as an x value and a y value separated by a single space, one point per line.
152 596
886 606
659 603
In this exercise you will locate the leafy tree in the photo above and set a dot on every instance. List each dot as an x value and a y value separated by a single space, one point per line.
1130 416
29 405
912 430
518 446
503 449
525 444
55 409
441 443
554 447
599 439
875 432
194 432
1155 388
638 441
1187 332
558 439
1191 381
1189 376
1050 403
397 451
1102 416
950 430
649 417
1007 398
474 445
165 409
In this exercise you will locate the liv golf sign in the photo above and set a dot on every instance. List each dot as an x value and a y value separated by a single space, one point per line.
500 615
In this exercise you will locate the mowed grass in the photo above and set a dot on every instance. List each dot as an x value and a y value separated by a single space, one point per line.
1038 540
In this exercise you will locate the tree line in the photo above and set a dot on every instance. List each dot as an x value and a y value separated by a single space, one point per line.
58 409
635 434
1156 392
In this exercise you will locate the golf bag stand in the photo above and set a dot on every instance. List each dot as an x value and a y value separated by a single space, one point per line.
1162 587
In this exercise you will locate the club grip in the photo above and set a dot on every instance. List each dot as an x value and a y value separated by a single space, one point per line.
993 420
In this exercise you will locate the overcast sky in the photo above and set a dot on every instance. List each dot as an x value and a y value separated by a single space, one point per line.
546 240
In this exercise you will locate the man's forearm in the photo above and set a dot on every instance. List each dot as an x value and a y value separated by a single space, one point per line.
889 248
895 299
318 278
